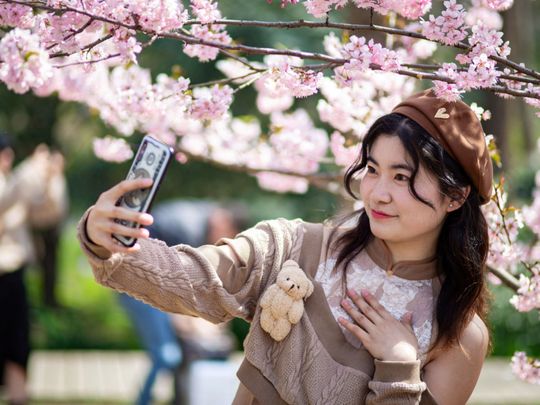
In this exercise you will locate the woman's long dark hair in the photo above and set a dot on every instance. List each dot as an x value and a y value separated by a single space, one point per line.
463 242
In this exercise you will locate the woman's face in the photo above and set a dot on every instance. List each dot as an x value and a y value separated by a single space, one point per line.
395 215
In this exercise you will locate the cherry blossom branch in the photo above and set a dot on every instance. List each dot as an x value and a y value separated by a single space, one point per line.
506 278
361 27
438 66
226 80
337 61
81 29
67 9
301 54
88 62
85 48
238 59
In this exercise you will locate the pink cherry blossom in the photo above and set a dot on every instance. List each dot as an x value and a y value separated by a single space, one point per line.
25 64
487 41
525 368
499 5
211 103
319 8
112 149
158 15
282 183
206 11
332 45
504 224
448 91
482 72
127 45
533 101
297 144
479 14
412 9
16 15
284 2
528 294
288 77
449 27
362 55
344 155
213 33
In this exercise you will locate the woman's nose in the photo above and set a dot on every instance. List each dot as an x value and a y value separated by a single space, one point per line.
381 191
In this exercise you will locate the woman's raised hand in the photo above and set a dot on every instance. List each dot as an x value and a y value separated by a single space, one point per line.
383 336
101 223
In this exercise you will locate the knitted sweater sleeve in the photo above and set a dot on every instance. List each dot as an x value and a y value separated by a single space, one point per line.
396 383
216 282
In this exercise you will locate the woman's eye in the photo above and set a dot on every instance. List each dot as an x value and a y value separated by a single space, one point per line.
401 177
370 169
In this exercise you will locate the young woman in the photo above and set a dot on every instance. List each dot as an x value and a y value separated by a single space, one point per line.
395 316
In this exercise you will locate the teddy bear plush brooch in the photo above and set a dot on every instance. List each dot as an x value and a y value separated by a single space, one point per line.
282 303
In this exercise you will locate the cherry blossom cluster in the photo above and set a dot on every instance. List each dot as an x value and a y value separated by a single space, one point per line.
361 55
499 5
525 368
409 9
286 77
528 294
211 103
449 28
351 99
206 12
25 64
481 13
16 15
112 149
296 146
481 71
504 224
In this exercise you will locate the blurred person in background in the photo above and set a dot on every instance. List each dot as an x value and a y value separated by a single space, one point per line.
46 231
26 188
174 341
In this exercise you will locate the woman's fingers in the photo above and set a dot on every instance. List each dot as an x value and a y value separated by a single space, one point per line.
364 322
107 218
355 329
125 186
372 301
128 215
114 246
119 229
364 306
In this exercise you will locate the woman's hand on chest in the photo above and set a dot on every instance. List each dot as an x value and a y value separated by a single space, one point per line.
383 336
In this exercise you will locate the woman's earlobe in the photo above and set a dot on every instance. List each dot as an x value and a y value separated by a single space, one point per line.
454 205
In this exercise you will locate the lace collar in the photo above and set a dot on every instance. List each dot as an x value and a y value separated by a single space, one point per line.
423 269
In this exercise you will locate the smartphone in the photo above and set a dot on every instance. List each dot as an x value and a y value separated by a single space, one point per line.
151 160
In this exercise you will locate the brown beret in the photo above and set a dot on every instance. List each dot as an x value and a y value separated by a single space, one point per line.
457 128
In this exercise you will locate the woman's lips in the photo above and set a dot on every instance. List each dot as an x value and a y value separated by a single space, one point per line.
380 215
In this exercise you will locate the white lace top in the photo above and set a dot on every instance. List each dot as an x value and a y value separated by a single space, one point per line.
398 288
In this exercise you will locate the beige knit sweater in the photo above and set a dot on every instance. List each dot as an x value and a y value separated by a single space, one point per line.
314 364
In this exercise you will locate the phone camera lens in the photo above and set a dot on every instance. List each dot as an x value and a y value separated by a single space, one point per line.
150 158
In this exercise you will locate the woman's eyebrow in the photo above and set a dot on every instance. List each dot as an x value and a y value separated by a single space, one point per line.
403 166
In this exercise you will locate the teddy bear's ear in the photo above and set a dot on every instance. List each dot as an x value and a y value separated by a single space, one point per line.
289 263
